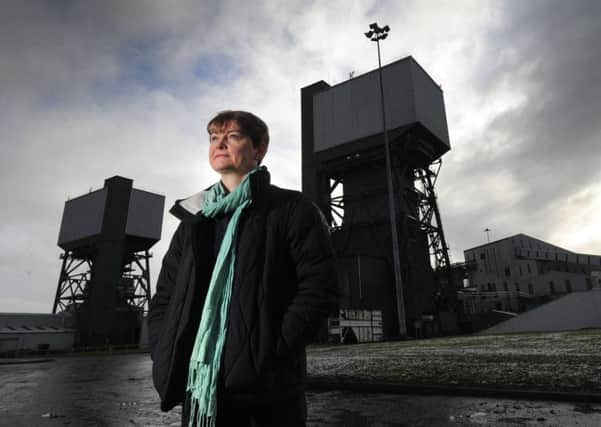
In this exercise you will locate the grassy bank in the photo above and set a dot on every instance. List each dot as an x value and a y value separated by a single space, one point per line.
560 361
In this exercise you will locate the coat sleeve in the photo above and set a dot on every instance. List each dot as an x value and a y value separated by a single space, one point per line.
317 288
164 289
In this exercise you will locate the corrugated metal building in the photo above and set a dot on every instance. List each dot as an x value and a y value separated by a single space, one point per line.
31 332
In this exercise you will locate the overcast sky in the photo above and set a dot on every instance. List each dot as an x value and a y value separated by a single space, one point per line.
89 90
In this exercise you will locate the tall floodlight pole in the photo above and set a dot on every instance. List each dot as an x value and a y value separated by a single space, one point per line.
376 34
487 231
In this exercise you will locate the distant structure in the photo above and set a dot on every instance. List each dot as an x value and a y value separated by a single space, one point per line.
519 272
105 279
24 333
343 172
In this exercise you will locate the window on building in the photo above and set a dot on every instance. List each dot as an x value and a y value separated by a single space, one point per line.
589 283
521 272
505 287
568 285
494 287
528 266
521 243
530 289
517 286
551 287
482 255
507 272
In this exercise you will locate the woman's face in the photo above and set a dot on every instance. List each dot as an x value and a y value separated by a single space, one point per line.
232 152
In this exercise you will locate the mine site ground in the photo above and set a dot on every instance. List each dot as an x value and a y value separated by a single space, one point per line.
117 390
558 361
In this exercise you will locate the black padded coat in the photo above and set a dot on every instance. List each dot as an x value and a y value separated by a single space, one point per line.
284 287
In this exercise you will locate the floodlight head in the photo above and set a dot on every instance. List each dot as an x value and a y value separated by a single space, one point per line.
386 28
373 26
369 34
384 36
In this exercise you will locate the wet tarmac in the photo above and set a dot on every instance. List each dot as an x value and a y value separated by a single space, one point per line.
117 391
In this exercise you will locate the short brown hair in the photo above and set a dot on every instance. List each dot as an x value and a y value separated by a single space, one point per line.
251 125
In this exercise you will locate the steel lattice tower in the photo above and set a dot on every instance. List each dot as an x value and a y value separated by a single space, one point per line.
344 173
105 273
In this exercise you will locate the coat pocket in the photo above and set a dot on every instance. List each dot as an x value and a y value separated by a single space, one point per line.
160 373
162 352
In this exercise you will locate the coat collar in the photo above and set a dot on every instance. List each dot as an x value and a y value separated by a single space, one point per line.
190 208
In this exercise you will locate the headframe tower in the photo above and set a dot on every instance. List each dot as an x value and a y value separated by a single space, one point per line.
343 172
105 275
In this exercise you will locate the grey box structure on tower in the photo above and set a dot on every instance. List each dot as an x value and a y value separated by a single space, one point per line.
350 110
83 218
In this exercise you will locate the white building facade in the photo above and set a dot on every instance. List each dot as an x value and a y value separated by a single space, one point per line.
520 272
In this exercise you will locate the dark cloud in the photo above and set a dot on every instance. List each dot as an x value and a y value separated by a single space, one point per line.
549 145
556 134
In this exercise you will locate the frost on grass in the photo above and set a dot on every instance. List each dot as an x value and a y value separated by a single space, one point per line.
568 361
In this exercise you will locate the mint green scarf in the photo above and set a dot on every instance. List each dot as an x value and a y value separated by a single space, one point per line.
206 355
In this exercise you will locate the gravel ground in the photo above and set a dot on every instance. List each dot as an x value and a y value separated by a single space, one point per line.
562 361
116 390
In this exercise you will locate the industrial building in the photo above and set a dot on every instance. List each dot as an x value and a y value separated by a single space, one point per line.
345 173
518 273
22 333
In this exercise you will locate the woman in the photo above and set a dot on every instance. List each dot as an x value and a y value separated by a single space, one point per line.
246 283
